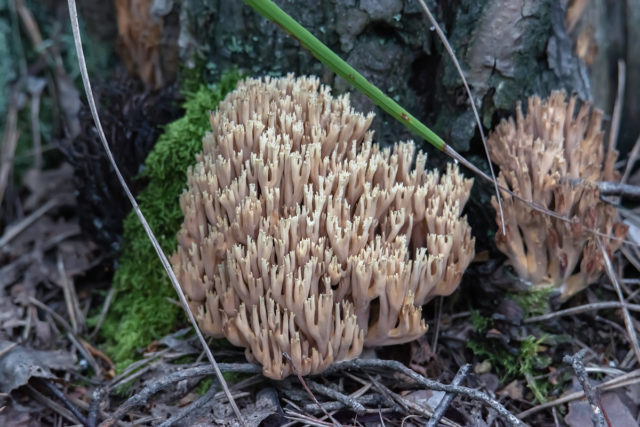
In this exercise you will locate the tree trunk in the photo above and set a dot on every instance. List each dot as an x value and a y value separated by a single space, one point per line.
509 49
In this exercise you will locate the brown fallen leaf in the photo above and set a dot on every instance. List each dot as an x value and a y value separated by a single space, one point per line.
514 390
616 412
19 364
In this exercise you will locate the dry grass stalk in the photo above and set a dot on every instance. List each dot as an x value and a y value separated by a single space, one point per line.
303 237
73 15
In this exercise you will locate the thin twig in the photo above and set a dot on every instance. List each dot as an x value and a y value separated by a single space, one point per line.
94 407
143 395
633 337
446 400
61 320
73 14
633 156
136 369
77 343
609 188
103 311
629 378
203 400
370 399
51 404
9 142
304 384
8 348
67 292
15 229
35 89
75 340
472 101
433 385
60 395
306 420
615 119
348 401
582 309
436 332
578 367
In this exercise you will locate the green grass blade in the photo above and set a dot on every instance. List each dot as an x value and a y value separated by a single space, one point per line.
272 12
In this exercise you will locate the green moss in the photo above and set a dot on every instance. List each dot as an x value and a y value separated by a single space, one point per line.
479 322
535 302
141 310
204 385
526 361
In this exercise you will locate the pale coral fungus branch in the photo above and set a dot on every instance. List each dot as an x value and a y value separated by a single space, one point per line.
272 12
538 153
73 15
302 236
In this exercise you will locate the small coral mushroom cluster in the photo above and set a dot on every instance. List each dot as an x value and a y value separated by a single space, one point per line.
552 158
303 237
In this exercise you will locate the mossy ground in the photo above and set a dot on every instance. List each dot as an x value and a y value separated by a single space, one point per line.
141 310
527 358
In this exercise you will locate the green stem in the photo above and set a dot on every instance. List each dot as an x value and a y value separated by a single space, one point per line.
272 12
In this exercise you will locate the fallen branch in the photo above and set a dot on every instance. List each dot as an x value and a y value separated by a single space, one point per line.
446 400
304 384
347 401
204 399
142 397
430 384
582 309
578 367
94 407
60 395
628 191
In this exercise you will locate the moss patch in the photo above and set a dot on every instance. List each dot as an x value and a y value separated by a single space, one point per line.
527 359
141 310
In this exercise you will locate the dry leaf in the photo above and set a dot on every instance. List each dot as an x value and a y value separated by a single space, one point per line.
616 412
514 390
19 364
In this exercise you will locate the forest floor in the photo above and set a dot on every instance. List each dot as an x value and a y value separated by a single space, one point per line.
509 347
501 352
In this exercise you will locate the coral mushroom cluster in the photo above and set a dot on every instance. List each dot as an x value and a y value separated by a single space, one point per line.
553 158
301 236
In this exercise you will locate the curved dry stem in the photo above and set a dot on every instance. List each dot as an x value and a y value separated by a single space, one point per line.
453 57
73 15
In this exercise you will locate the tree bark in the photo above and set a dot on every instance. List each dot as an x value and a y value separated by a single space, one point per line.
509 49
